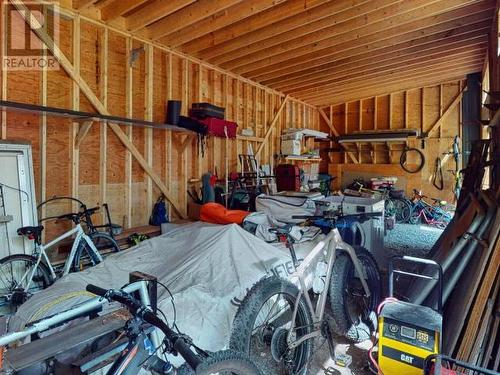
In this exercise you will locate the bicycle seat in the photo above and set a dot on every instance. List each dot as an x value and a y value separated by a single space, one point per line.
33 233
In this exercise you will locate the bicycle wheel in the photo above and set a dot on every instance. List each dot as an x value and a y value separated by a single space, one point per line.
264 322
412 160
350 307
224 363
104 243
85 257
403 210
414 217
13 290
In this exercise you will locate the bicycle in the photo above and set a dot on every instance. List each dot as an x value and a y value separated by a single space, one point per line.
21 275
394 205
433 214
277 321
139 353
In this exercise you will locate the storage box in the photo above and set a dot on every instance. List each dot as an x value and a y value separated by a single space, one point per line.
203 110
287 177
216 127
290 147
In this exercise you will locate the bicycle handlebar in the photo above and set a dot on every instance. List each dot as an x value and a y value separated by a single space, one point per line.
179 343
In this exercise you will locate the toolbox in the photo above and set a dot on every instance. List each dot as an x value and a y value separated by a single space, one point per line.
203 110
216 127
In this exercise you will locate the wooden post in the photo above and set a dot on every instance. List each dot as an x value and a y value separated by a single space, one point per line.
271 126
94 100
148 100
128 155
103 155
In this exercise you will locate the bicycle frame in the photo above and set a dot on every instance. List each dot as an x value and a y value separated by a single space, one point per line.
328 248
41 253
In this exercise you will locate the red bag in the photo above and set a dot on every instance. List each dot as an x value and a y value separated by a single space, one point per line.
287 177
216 126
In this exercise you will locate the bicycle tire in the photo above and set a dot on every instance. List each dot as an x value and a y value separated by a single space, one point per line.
346 317
404 157
224 362
84 257
403 210
244 323
43 279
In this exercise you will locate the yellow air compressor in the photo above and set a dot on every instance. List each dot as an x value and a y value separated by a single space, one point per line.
409 333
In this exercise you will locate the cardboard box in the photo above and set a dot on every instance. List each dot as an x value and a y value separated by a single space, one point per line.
290 147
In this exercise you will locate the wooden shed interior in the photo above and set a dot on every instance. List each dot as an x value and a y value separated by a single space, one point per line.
337 66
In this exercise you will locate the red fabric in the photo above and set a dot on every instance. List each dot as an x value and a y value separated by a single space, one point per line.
216 126
218 214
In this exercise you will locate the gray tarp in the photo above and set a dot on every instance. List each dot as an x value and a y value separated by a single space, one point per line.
206 267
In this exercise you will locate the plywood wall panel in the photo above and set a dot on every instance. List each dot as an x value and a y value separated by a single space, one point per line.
100 165
399 110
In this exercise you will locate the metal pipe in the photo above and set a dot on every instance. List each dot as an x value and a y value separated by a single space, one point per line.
470 251
45 324
419 294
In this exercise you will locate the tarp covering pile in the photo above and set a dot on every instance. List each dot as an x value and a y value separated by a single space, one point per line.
208 268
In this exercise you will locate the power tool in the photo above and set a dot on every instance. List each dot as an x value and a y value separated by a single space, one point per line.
408 333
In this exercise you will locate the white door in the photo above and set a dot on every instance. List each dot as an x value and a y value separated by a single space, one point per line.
15 202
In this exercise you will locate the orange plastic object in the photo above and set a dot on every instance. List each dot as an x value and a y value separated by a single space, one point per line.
218 214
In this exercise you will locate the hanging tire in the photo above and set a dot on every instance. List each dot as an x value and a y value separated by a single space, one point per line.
350 307
224 363
412 167
12 269
261 332
403 210
85 257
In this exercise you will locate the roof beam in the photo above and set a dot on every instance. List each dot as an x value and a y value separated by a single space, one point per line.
391 64
153 12
217 21
288 24
347 20
419 30
81 4
388 77
381 86
187 16
406 22
117 8
400 86
442 41
273 15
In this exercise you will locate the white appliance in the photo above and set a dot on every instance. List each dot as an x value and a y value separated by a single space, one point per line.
372 231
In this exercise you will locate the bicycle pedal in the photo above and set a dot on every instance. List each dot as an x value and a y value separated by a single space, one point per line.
332 371
343 360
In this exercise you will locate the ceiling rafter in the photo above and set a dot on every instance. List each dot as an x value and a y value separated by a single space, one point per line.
153 12
473 45
117 8
292 23
187 16
438 63
217 21
447 22
273 15
400 50
407 22
381 85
